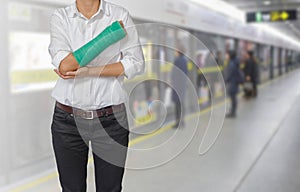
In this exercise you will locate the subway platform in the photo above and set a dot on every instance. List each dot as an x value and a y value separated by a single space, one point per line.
257 151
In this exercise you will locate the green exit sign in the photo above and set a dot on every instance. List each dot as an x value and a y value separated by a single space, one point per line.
272 16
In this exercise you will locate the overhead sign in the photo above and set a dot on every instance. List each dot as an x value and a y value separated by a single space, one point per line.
272 16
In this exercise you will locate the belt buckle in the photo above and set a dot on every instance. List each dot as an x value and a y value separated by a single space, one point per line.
89 115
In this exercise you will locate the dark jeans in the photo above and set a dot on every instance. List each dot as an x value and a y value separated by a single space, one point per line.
108 137
234 103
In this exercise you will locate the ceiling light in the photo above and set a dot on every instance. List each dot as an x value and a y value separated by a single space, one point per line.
267 2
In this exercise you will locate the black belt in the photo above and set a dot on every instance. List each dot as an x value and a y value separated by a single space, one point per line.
91 114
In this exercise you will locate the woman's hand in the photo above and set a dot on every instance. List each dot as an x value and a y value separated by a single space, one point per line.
110 70
81 72
63 76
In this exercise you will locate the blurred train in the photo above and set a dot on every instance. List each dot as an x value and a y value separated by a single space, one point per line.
27 75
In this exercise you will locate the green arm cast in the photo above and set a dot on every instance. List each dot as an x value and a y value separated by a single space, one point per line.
112 34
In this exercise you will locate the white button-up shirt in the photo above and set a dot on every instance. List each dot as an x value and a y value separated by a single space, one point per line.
69 31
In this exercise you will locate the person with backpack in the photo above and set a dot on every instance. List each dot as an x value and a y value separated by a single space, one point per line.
234 77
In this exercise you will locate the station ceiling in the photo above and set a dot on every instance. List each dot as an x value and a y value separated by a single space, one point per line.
287 27
291 28
263 5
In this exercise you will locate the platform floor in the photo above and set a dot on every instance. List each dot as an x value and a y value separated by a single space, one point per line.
258 151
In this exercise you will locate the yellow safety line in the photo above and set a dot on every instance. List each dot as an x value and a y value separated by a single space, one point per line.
35 183
146 137
140 139
169 126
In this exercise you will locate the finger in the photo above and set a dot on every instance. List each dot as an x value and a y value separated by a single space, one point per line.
56 71
72 73
63 76
68 77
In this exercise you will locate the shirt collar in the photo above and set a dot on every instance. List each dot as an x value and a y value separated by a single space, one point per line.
103 8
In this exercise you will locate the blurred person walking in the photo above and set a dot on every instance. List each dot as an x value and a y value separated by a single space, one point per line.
234 77
220 62
251 75
179 78
200 76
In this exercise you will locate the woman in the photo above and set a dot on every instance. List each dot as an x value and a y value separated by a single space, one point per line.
99 105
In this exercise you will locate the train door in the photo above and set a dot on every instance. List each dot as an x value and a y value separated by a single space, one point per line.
286 66
265 63
145 89
283 61
290 60
276 61
168 54
206 56
273 58
294 59
280 63
258 52
220 57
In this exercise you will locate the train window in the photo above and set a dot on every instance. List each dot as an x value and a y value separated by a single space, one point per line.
265 62
29 60
30 63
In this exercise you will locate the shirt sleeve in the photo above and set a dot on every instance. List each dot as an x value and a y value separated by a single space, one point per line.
131 49
59 46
